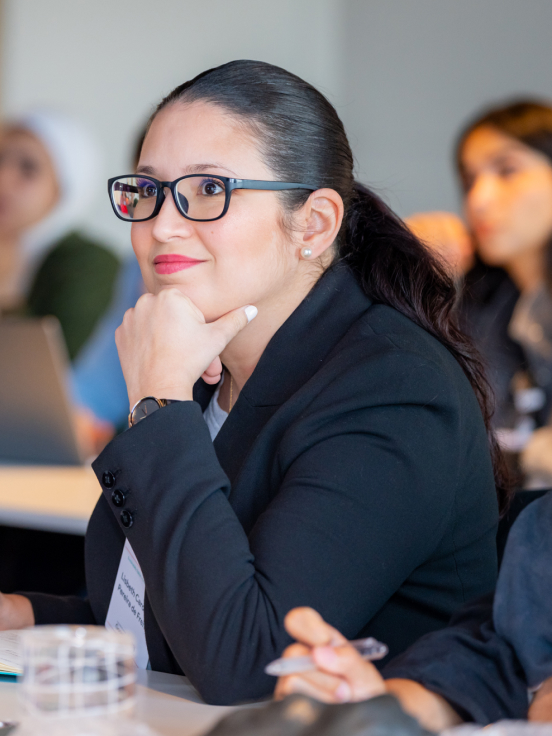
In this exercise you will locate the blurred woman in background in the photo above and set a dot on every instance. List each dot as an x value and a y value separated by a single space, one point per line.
505 162
504 158
48 175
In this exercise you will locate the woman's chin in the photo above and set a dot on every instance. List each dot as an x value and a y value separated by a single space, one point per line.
495 254
209 307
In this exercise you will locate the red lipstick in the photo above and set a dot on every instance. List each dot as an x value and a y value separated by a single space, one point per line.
173 262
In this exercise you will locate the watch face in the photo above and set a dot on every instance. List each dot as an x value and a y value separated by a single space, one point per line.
144 409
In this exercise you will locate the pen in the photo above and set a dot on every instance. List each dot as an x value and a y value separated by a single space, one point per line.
368 649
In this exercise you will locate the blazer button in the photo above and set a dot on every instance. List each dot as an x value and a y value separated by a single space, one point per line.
118 498
108 479
127 520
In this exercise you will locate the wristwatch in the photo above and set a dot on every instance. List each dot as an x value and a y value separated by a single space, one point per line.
145 407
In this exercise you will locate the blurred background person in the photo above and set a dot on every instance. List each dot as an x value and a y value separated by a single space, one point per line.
504 255
48 174
504 158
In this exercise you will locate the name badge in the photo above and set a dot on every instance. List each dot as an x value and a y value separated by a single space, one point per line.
126 608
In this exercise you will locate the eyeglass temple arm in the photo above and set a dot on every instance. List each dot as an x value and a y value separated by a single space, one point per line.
268 185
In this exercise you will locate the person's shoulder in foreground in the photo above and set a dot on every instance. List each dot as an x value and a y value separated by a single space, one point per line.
74 283
469 665
523 600
497 648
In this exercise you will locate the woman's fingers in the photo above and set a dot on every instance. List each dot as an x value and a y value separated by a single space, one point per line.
307 626
165 345
316 684
296 650
361 676
327 688
341 674
213 373
227 327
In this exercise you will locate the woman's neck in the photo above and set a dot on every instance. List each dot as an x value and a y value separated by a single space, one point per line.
527 270
244 352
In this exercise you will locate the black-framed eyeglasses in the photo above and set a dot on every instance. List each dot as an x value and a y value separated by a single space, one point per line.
198 197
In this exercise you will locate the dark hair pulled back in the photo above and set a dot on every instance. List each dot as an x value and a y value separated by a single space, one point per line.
302 139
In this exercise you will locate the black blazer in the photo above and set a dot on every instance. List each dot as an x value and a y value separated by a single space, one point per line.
352 475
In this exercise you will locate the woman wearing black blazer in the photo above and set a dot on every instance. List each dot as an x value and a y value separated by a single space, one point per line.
352 471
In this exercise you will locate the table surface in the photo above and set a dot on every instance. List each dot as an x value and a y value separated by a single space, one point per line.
167 703
49 497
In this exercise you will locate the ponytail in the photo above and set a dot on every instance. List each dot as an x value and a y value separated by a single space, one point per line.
396 269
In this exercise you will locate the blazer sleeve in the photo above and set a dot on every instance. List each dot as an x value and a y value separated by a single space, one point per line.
523 599
362 503
469 665
57 609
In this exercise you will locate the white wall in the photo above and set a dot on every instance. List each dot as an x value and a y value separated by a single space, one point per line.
404 74
414 70
71 54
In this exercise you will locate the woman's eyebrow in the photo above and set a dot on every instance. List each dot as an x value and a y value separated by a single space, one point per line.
193 169
497 157
199 168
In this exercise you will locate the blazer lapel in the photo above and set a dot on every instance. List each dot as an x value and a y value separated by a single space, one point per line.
293 355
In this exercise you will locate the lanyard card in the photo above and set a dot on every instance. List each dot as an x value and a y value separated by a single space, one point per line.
126 608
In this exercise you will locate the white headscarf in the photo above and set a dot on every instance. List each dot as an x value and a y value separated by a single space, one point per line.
76 160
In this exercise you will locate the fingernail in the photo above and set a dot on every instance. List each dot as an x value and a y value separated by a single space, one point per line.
343 693
250 312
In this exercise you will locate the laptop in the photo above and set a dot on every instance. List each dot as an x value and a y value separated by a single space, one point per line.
36 417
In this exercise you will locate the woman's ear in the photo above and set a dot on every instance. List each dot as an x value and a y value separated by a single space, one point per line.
323 214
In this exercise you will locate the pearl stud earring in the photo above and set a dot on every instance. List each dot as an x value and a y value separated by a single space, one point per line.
306 252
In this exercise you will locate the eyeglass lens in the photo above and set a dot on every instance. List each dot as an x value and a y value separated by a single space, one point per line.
199 197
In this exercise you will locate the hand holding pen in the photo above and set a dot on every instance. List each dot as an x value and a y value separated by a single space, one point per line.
369 649
337 671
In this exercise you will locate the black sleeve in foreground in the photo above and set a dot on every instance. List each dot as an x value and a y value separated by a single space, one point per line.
469 665
57 609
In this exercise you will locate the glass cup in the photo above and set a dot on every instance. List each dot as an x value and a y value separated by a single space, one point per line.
77 671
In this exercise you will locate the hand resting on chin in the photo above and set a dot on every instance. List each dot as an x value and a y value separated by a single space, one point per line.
165 345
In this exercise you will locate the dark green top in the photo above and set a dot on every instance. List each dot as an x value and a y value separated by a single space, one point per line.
74 283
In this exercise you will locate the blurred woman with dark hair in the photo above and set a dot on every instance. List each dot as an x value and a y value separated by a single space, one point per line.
505 162
504 158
